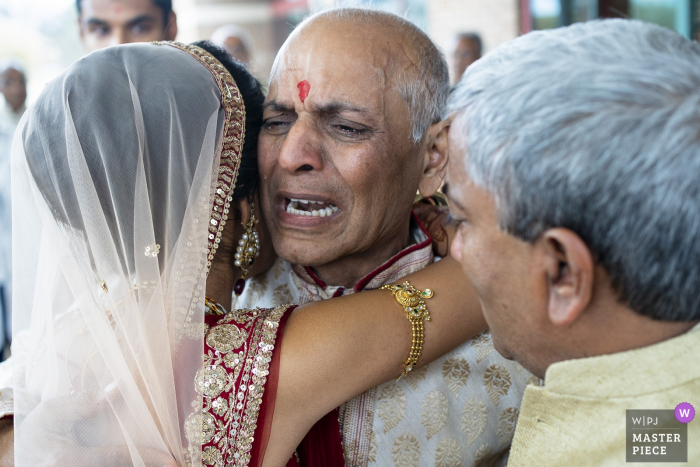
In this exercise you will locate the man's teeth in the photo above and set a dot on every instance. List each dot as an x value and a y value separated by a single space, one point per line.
322 212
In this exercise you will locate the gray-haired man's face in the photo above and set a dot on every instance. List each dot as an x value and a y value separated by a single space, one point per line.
502 268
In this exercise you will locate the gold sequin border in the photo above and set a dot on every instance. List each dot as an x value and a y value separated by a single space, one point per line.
233 441
232 142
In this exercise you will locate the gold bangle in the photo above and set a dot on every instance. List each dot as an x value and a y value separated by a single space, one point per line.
413 302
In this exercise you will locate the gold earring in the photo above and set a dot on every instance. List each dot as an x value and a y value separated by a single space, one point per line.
249 245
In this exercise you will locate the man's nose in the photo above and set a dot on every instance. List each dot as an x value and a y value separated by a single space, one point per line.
119 36
301 150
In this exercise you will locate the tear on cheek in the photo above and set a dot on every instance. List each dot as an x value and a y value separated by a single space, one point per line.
303 88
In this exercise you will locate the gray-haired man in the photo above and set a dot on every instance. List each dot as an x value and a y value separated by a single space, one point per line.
575 162
351 130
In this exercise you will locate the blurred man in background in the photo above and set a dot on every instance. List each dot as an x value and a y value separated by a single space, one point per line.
467 50
236 41
111 22
13 86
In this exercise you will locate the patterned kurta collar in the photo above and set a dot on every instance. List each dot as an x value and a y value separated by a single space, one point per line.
412 258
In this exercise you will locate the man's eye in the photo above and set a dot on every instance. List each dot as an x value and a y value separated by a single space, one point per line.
349 129
276 126
141 29
100 30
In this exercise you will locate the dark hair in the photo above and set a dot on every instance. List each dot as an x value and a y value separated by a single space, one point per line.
165 5
471 36
251 91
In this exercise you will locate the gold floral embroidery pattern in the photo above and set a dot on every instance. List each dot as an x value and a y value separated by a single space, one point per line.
506 425
534 380
282 294
433 413
455 371
257 288
225 338
474 419
406 450
482 454
448 454
372 454
235 397
392 406
415 376
483 345
497 381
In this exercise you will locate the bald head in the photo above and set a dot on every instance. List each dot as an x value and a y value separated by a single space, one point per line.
354 105
402 57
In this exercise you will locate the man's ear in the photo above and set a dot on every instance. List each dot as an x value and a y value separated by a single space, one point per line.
171 27
434 158
570 275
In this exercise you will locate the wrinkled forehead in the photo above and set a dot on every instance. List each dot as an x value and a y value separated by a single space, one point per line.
341 62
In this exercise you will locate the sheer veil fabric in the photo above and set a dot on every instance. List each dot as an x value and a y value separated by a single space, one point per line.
122 178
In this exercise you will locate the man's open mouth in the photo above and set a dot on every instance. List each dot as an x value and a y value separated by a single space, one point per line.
305 207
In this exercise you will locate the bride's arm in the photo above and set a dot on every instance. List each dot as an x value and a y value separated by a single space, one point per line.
335 349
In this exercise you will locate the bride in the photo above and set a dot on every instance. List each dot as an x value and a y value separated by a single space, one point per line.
134 178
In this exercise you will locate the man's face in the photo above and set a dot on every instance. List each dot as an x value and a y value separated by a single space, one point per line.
502 269
236 48
13 87
339 170
111 22
466 52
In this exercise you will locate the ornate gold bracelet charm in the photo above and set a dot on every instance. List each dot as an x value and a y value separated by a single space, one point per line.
413 302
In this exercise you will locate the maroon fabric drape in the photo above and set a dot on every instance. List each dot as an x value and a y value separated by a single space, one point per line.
322 445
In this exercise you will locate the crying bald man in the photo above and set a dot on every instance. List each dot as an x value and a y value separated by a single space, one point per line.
351 130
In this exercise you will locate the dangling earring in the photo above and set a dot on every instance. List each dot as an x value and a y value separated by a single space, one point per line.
248 246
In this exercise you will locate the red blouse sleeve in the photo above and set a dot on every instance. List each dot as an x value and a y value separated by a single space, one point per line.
238 383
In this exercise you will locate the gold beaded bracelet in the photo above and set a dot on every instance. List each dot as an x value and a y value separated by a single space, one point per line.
413 302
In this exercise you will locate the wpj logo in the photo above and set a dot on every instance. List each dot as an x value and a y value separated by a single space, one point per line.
656 436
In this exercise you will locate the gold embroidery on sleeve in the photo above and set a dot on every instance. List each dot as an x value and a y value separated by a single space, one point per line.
392 406
233 432
474 419
448 454
406 450
483 345
433 413
455 371
506 425
497 381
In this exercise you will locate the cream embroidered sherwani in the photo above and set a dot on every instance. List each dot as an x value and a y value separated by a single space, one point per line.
459 410
578 417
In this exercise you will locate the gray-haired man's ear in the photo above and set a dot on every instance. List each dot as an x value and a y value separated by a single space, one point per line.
434 158
570 275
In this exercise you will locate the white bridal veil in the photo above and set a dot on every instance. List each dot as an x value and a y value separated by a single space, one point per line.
115 173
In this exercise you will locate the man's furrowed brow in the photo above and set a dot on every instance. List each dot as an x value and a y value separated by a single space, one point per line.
277 107
141 19
96 22
331 108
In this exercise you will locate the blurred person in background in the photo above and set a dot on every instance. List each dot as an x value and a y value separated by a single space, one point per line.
111 22
236 41
13 86
467 50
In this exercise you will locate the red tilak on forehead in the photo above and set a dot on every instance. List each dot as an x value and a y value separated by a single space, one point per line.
303 88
